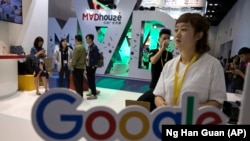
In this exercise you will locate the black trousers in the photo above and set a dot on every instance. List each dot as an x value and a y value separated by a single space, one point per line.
91 78
78 80
148 97
66 71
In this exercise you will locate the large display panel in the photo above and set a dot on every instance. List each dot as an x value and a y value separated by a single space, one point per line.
11 11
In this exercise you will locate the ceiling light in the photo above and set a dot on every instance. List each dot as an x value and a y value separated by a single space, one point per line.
211 15
216 4
213 11
211 4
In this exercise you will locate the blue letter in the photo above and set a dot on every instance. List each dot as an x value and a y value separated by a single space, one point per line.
176 117
78 119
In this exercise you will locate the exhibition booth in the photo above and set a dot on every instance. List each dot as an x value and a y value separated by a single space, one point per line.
122 35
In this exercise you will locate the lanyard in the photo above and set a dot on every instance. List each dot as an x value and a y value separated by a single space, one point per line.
177 82
166 58
163 62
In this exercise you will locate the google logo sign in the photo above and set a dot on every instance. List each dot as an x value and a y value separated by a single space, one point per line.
55 117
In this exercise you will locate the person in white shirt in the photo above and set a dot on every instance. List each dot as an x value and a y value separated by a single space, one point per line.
194 70
62 58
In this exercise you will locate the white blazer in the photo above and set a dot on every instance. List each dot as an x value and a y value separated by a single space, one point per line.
57 58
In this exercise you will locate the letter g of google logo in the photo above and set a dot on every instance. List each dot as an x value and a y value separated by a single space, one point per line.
55 117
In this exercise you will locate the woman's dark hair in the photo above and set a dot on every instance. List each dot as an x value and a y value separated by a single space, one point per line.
61 46
37 40
91 36
200 24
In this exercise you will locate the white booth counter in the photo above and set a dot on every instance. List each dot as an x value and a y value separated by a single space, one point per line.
9 74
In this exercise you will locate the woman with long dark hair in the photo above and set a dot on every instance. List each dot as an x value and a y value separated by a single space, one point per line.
38 53
62 58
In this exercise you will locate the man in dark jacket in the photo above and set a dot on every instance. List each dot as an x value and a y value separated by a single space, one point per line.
92 60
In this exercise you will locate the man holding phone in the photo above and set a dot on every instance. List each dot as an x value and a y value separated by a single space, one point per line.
238 82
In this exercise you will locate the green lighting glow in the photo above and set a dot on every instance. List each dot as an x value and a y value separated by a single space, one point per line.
101 33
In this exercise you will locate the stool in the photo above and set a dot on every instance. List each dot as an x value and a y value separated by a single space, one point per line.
54 81
26 82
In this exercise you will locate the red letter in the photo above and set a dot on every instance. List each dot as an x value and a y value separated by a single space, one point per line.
204 116
96 18
85 16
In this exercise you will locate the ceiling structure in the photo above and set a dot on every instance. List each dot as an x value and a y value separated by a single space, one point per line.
213 10
216 10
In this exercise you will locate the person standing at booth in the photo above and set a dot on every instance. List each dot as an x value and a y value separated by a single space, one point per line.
194 70
78 64
62 58
92 60
38 53
238 82
158 58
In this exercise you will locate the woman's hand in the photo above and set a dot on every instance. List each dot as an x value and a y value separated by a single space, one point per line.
212 103
159 101
41 52
239 72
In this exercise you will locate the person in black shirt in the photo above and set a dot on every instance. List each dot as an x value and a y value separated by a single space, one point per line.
238 82
158 57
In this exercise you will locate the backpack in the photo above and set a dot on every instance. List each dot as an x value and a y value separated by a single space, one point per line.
100 62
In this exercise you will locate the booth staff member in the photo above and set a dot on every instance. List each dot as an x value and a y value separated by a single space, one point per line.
193 70
62 58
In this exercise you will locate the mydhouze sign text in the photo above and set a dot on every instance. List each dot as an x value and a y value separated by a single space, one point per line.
101 17
55 117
